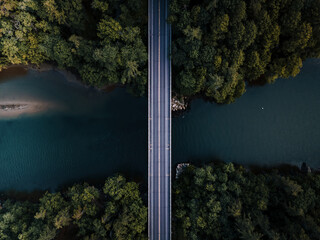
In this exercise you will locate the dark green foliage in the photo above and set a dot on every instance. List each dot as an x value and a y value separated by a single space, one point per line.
218 45
114 212
124 201
104 42
227 202
217 201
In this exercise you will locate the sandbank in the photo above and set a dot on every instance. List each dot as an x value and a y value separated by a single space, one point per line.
12 109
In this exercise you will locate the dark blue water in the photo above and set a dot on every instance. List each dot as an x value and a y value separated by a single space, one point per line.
95 135
277 123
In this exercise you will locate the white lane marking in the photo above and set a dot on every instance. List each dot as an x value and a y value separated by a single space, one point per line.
160 118
170 122
159 156
149 123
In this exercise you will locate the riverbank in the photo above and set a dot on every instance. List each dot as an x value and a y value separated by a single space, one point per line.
13 71
21 70
17 107
282 168
235 192
79 201
180 105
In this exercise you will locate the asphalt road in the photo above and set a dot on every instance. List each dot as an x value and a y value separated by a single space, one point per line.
159 122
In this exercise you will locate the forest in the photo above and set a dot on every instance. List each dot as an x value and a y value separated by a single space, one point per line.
213 201
219 46
113 211
104 42
227 201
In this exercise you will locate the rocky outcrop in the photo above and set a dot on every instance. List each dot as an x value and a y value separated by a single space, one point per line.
180 167
178 104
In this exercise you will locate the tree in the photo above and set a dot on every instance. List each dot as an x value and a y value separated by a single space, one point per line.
239 41
223 201
115 211
125 215
104 43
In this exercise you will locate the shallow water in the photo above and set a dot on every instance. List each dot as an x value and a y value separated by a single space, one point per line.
95 134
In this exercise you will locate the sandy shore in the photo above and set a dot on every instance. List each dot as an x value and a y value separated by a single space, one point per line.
11 109
16 107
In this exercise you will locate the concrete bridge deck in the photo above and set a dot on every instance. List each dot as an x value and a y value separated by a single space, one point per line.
159 122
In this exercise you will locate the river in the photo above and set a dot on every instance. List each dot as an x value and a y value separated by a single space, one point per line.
94 134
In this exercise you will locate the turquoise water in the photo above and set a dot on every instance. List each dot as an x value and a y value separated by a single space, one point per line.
95 134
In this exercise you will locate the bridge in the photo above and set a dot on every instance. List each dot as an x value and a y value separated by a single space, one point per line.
159 122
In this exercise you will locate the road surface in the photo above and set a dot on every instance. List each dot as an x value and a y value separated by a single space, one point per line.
159 122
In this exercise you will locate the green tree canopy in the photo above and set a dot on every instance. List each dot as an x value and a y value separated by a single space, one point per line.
223 201
220 45
104 42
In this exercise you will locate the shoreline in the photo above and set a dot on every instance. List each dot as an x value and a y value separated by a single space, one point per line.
70 76
15 108
12 71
